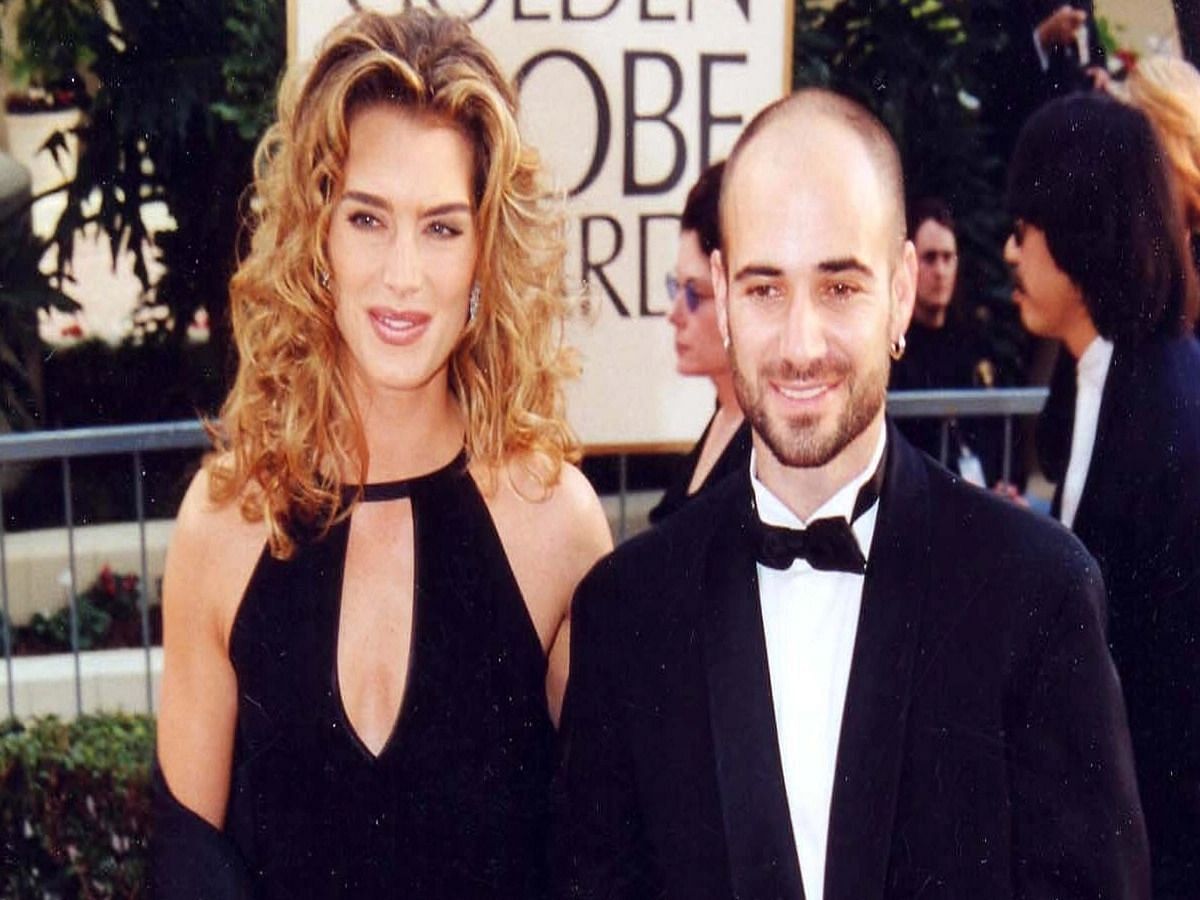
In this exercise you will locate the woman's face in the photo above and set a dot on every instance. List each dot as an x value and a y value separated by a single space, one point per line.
698 347
403 248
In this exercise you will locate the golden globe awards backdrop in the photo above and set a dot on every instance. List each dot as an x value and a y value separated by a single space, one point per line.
627 100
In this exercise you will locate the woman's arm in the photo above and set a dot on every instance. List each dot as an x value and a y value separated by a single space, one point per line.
212 553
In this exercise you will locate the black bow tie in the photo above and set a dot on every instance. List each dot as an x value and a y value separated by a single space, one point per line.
826 544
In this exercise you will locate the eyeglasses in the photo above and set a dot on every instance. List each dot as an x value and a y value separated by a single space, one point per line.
691 297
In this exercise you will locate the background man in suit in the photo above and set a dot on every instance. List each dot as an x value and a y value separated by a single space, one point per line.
923 704
1101 264
1066 45
945 349
1050 49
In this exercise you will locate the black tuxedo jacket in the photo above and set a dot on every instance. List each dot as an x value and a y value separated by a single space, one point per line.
983 753
1139 515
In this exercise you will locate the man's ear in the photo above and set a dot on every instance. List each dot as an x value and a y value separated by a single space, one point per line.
716 265
904 292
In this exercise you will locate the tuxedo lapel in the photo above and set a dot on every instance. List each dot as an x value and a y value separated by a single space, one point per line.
758 829
873 722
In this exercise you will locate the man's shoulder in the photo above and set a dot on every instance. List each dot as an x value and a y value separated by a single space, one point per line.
663 561
690 529
977 526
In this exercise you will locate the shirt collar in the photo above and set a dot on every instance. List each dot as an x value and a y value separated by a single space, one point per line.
1094 361
774 511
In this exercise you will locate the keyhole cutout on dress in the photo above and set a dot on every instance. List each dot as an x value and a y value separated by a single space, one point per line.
375 620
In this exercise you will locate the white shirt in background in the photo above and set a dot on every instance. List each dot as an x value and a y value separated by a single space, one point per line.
1091 372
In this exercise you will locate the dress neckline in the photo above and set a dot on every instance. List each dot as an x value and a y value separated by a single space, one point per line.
401 488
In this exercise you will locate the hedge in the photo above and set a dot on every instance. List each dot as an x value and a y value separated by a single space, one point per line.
75 806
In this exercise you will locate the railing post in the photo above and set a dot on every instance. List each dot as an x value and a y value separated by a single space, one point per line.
144 594
1008 437
622 497
72 600
8 641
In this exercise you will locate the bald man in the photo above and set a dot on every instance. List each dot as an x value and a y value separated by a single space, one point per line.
843 674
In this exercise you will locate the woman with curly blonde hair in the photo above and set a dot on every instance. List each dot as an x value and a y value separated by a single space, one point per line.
1167 90
366 594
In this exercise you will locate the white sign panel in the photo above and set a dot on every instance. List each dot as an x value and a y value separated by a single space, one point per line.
627 100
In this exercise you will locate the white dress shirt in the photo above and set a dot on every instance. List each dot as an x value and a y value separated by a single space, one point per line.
810 619
1091 372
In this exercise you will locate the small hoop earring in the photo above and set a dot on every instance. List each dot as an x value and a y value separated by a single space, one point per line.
897 348
473 303
323 279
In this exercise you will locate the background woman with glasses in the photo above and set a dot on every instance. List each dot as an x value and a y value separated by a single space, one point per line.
725 445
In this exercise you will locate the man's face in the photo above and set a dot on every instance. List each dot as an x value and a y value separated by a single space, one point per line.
937 269
1051 304
814 287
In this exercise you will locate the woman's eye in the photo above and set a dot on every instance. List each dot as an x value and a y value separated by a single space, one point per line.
444 229
364 220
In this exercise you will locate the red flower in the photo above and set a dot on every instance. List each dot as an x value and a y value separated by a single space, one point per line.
1128 58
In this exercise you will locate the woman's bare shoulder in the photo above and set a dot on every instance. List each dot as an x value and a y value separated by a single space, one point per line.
214 549
565 512
552 533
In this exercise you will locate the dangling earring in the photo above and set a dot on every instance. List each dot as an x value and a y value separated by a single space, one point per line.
473 303
897 348
323 279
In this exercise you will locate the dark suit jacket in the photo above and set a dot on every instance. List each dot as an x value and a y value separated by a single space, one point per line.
1139 515
1064 72
984 751
1012 81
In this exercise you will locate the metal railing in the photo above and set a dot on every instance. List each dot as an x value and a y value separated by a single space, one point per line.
65 446
138 440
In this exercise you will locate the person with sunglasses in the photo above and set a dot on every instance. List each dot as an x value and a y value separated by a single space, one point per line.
1100 263
724 446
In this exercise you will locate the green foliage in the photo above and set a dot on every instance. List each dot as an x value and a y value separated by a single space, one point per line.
108 614
174 120
54 42
251 70
54 631
75 806
24 290
916 64
94 383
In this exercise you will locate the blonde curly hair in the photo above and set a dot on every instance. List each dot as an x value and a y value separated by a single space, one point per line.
289 434
1167 90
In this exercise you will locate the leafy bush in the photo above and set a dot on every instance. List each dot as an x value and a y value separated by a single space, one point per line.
108 615
75 806
921 66
53 632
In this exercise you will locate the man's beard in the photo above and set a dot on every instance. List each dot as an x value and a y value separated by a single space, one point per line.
798 441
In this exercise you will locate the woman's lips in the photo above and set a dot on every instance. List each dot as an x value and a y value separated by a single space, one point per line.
396 327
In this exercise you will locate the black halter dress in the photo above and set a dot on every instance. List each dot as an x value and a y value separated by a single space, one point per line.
454 805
